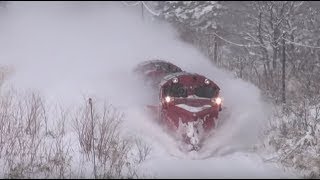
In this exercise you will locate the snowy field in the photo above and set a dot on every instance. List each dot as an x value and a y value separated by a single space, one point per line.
67 50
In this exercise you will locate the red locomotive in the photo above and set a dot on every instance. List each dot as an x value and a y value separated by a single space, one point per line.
189 103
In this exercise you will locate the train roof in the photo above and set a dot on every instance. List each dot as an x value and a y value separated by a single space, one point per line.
155 61
157 65
178 74
168 77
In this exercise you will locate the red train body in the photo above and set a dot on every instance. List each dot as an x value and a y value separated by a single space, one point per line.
189 103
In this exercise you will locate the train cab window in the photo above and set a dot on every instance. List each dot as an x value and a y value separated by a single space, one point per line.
206 91
176 90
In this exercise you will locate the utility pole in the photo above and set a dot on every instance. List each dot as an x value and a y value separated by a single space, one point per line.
283 70
215 52
142 10
93 150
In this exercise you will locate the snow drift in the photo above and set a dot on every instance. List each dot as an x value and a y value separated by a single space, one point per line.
69 49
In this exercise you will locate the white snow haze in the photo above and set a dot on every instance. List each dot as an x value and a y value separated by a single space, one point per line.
66 50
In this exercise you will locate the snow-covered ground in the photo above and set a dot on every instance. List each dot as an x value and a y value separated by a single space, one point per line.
66 50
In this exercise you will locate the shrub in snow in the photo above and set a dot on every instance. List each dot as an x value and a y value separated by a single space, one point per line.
26 150
36 141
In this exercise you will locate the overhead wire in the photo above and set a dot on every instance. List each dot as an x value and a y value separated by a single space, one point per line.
300 44
144 4
249 45
130 4
149 9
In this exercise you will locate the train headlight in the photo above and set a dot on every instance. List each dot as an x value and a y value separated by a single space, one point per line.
217 100
206 81
175 80
167 99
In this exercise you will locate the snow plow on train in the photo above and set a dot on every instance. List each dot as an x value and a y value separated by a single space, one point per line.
188 103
